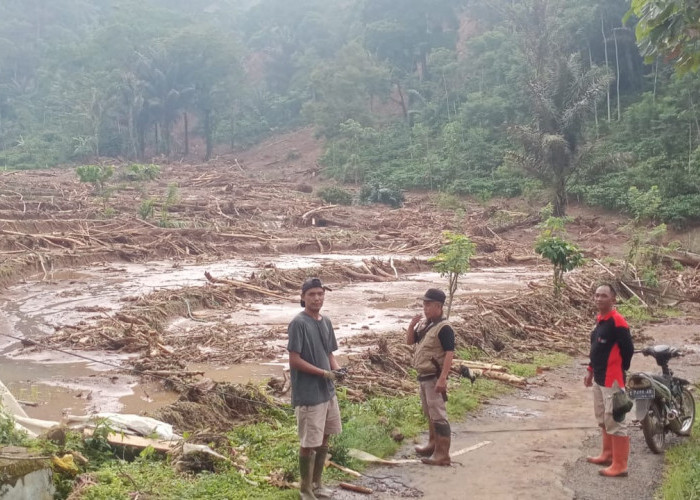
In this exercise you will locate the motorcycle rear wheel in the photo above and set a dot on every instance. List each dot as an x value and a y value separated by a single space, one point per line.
653 429
687 415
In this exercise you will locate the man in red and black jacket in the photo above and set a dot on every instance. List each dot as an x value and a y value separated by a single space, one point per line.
610 357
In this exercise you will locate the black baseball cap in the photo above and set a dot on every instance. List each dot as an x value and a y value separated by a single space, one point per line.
310 283
434 295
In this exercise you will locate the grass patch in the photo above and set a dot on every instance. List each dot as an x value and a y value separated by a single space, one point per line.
634 312
526 368
471 353
529 369
682 476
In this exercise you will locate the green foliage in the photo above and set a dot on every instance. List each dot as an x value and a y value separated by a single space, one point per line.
147 208
452 260
274 446
682 471
564 255
470 353
9 435
391 91
375 192
335 195
171 198
529 368
97 175
42 150
139 172
644 206
643 246
668 29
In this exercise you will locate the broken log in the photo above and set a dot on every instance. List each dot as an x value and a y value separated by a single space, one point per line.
138 442
364 276
503 377
479 365
317 210
356 488
689 259
244 286
344 469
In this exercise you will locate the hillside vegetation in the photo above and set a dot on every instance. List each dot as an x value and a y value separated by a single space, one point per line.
466 96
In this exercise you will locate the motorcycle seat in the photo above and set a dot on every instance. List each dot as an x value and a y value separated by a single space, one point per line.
663 379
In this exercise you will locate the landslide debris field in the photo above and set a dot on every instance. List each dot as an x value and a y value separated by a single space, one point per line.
257 214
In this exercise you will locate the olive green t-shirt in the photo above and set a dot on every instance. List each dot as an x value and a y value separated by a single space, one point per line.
314 340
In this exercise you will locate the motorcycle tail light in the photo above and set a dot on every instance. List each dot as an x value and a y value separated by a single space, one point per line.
638 383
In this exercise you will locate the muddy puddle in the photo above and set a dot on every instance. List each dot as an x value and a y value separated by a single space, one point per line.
58 383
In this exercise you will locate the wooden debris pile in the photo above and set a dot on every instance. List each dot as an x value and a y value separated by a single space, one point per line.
532 320
688 283
529 321
380 371
374 269
383 371
139 326
216 406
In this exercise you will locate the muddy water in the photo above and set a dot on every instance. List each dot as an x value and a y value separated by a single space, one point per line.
59 383
386 306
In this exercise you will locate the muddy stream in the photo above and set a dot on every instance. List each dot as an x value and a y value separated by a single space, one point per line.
54 383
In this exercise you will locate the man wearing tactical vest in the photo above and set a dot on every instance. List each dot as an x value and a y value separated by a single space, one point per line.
435 344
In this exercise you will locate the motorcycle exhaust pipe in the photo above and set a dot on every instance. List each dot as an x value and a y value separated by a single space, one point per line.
672 415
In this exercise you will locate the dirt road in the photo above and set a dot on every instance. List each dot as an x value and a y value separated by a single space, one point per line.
538 439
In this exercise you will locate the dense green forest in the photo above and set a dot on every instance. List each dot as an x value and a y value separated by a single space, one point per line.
486 98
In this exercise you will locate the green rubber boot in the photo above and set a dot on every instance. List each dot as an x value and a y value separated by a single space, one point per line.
319 465
306 471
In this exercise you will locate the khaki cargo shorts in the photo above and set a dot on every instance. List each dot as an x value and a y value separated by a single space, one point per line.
313 422
603 407
432 402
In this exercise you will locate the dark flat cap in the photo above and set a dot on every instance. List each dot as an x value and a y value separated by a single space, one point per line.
435 295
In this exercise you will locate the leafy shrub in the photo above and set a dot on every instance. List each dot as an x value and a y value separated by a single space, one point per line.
564 255
97 175
9 435
147 208
506 184
335 195
681 210
448 201
41 151
139 172
377 193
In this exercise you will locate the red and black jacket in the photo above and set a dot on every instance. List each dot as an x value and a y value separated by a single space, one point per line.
611 349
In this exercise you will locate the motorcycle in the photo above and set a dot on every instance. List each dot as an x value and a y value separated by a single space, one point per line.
663 402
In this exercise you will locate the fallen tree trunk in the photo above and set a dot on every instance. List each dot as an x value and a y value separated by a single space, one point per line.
138 442
686 258
243 285
365 276
479 365
503 377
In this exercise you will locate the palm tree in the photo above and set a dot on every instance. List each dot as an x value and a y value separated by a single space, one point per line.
562 95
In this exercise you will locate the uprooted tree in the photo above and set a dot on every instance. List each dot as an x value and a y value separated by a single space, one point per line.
452 260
